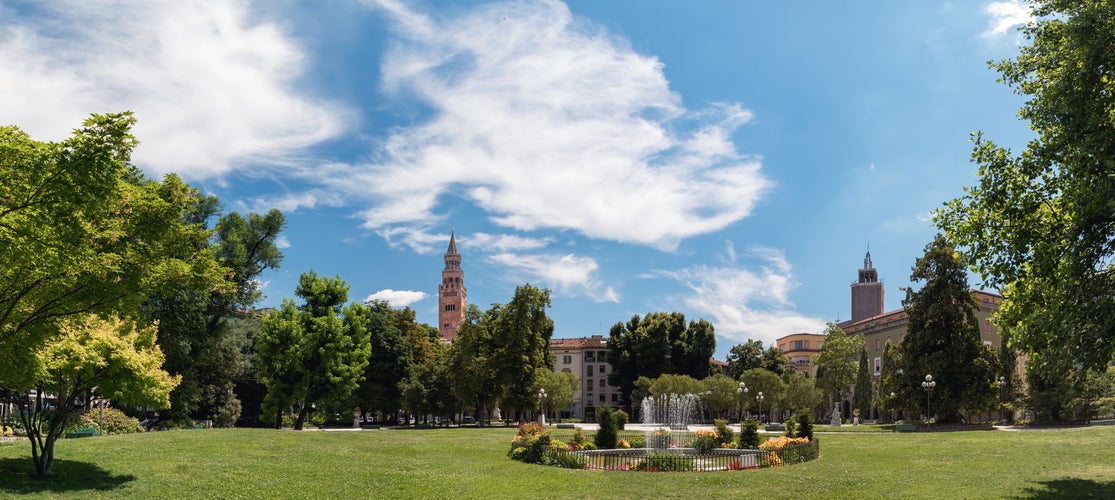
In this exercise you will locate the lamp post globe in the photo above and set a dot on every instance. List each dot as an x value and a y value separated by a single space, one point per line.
740 391
928 385
542 406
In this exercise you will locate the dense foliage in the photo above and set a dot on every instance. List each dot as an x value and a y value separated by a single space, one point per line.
658 343
315 353
943 339
1040 224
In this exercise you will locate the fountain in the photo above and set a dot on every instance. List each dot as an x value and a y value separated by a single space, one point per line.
666 413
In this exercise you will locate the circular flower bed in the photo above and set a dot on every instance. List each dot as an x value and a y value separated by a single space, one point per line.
668 451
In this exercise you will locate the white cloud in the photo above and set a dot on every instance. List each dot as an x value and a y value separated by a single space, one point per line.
547 122
211 86
1006 15
397 298
282 242
567 274
486 242
293 201
743 303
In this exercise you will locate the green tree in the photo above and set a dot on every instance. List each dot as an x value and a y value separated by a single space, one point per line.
745 356
775 360
889 383
427 389
801 394
82 232
521 338
314 353
861 398
836 363
1040 225
559 387
656 344
943 337
114 356
389 364
718 394
476 380
764 381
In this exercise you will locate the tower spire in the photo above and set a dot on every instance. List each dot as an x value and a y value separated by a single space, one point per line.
452 294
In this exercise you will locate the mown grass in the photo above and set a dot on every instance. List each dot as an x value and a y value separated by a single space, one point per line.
472 463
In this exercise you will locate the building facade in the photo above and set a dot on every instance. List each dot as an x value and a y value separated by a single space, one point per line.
876 326
452 294
802 350
587 358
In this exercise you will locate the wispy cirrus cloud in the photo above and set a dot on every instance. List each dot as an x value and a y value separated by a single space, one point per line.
210 84
545 121
743 301
567 274
1006 15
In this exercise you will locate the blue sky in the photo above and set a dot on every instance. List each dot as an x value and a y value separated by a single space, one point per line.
731 161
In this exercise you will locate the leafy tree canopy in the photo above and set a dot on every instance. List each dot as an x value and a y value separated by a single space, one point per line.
1040 225
943 339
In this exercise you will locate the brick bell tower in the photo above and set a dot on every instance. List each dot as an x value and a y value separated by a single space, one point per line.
452 295
867 294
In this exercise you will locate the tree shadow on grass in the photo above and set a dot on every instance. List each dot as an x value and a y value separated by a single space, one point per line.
17 476
1070 488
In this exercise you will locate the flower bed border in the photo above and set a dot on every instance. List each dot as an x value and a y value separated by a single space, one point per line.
686 459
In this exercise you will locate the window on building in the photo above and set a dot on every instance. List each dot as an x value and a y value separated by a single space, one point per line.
590 384
878 365
878 344
601 356
603 384
590 357
567 359
615 397
602 369
888 339
588 399
602 400
589 368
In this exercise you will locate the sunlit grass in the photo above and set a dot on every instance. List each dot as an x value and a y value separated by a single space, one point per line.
472 463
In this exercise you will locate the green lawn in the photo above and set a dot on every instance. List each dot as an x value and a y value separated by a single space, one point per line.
472 463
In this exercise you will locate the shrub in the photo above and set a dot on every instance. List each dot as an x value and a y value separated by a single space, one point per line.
579 438
561 458
621 418
789 424
724 435
6 431
749 434
606 435
805 425
661 439
638 441
114 420
665 461
704 442
774 447
533 439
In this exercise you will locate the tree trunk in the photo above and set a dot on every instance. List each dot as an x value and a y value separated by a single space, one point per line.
301 417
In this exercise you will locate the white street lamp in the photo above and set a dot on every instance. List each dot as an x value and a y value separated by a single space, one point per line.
928 385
